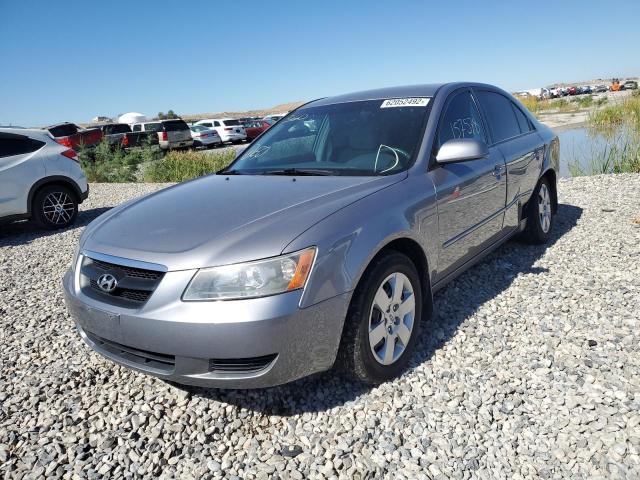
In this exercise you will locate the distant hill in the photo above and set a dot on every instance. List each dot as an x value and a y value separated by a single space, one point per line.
285 107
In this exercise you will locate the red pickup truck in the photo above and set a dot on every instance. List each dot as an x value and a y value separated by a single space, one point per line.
72 136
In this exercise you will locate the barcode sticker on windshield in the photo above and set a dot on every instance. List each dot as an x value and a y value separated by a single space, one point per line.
405 102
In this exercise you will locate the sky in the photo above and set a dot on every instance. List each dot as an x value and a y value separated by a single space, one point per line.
73 60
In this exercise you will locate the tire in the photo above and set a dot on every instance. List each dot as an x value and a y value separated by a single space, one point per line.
357 358
55 207
539 214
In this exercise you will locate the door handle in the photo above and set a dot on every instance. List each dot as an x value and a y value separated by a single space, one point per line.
499 170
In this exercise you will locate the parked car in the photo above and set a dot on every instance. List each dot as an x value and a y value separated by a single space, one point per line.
585 89
204 136
72 136
572 91
174 133
39 179
630 85
271 119
255 128
316 248
600 88
555 92
121 134
229 129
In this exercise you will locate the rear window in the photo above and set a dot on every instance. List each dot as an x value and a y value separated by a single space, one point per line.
119 128
153 127
63 130
175 125
11 144
230 123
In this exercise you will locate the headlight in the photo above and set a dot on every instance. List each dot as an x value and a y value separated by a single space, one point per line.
252 279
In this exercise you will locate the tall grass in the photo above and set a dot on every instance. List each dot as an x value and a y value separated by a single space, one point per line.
112 163
626 113
181 166
620 154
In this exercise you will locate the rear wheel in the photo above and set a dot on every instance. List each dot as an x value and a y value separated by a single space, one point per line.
383 321
539 214
55 207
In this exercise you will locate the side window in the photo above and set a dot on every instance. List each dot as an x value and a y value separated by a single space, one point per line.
524 124
207 124
460 120
17 145
216 124
500 115
137 128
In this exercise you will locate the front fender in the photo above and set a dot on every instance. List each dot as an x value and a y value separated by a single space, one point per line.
349 239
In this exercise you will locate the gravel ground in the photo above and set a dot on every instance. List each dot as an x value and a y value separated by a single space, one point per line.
530 369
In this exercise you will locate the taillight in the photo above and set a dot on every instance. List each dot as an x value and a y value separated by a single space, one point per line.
163 136
228 129
71 153
66 141
125 141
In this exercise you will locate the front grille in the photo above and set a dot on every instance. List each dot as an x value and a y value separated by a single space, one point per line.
144 358
128 271
128 293
240 365
134 285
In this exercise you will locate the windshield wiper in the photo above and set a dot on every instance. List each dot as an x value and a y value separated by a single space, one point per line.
300 171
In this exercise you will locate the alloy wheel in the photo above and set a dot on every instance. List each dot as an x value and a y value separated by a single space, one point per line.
544 208
58 208
391 318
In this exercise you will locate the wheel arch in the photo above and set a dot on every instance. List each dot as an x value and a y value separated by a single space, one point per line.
51 181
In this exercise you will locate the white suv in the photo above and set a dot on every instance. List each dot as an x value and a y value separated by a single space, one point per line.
39 179
229 129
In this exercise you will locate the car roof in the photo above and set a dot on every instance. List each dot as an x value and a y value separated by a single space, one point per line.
29 132
426 90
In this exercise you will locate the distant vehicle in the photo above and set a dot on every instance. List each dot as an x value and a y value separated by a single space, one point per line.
271 119
72 136
204 136
572 91
229 129
556 92
120 133
255 128
171 133
600 88
585 89
630 85
39 179
615 85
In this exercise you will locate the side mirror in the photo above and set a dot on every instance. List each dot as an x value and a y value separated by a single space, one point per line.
461 149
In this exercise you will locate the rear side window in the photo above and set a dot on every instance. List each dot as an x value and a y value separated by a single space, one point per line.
137 128
153 127
175 125
206 124
63 130
523 122
461 120
230 123
500 115
11 144
216 124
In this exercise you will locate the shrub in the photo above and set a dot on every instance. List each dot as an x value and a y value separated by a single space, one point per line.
111 163
182 166
626 112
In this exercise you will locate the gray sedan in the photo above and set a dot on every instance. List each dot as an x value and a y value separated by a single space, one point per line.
321 245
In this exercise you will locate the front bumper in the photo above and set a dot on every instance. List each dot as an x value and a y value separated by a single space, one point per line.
187 342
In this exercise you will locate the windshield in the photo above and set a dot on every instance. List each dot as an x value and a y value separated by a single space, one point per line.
372 137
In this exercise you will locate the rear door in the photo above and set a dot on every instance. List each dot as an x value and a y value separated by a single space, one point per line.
515 136
18 171
470 194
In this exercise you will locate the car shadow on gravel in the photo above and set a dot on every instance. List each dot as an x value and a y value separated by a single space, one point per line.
452 306
20 233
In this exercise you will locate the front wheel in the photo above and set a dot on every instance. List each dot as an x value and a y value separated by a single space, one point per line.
55 207
383 321
540 215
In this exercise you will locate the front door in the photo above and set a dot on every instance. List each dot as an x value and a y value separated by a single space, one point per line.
471 194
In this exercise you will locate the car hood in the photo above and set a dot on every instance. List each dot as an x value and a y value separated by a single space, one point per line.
218 220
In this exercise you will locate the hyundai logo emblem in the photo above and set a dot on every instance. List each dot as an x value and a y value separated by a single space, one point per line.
107 283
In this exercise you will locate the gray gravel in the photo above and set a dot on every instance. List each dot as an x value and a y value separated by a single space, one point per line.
530 369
